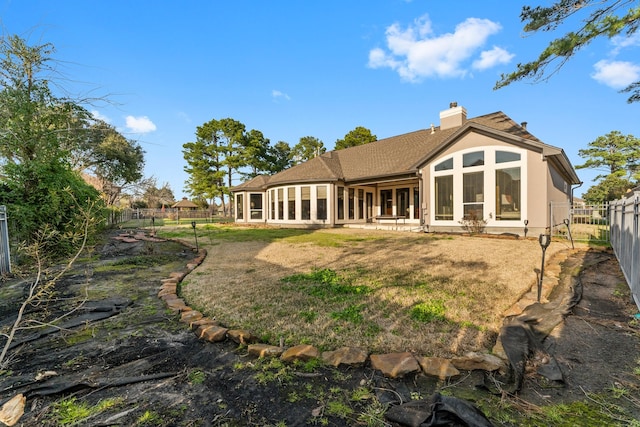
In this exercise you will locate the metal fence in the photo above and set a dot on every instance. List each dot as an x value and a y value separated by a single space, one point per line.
580 222
625 240
5 253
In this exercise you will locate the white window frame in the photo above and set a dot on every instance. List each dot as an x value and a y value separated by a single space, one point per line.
489 168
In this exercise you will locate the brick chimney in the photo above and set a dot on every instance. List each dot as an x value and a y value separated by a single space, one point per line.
453 117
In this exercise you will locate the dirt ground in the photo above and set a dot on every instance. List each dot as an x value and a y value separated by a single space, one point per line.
124 345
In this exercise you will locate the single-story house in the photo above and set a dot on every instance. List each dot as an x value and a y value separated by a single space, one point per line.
488 168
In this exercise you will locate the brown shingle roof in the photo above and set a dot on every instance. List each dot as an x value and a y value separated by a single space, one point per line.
184 203
402 154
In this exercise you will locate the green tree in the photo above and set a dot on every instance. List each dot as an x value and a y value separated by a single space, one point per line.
204 163
155 197
605 18
280 157
217 153
37 131
617 156
358 136
308 148
104 153
614 154
256 153
612 187
232 137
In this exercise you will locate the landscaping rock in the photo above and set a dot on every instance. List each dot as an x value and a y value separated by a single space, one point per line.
301 352
264 350
472 361
345 355
241 336
394 365
190 316
12 410
438 367
205 321
213 333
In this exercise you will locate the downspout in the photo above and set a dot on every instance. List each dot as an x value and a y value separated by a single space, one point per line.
572 188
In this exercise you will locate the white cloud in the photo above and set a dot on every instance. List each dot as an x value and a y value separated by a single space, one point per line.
416 52
620 42
98 116
491 58
140 124
276 94
616 74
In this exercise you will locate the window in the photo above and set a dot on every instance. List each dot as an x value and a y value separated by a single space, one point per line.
255 206
506 156
340 202
280 203
386 202
485 184
352 204
291 203
444 197
473 159
473 195
321 201
360 204
239 204
508 194
416 202
306 202
402 202
273 203
445 165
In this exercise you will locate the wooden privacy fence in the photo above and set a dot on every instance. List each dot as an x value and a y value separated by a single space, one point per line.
5 254
625 240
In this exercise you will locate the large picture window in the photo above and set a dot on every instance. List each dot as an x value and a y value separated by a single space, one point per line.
306 202
255 205
321 201
273 203
473 195
508 194
280 203
480 184
444 197
239 206
352 203
402 202
291 203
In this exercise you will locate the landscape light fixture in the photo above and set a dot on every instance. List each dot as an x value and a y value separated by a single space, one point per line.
526 229
193 225
545 241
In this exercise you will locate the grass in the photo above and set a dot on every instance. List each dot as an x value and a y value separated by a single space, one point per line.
436 295
71 411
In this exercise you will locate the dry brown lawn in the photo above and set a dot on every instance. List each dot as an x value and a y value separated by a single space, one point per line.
436 295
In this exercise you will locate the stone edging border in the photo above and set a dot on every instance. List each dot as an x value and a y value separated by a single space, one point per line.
391 365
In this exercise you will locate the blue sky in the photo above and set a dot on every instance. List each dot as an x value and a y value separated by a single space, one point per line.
300 68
